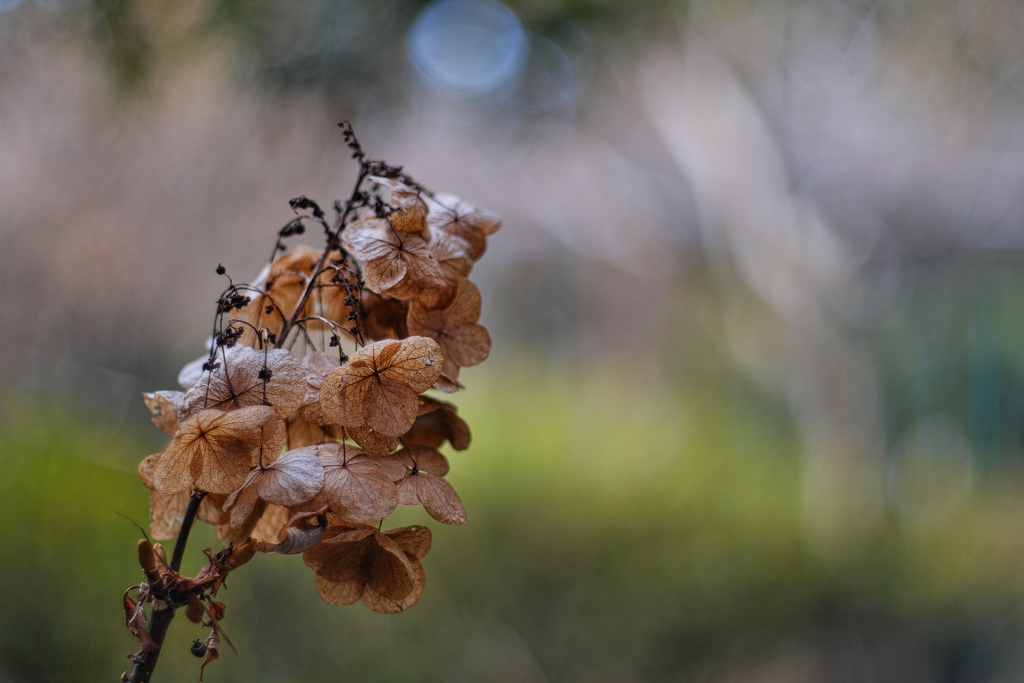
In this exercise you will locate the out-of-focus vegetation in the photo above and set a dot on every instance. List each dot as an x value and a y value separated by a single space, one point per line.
619 531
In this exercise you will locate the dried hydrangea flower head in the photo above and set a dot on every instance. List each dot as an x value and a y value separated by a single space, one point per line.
306 425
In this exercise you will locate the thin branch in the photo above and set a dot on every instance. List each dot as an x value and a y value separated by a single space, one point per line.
163 612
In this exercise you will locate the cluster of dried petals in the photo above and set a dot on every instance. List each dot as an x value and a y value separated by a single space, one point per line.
306 424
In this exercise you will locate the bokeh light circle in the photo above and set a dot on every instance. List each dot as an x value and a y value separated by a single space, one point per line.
467 48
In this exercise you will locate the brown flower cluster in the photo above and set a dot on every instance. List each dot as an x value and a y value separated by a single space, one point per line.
306 424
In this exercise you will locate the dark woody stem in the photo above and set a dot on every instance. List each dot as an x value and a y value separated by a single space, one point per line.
333 242
162 613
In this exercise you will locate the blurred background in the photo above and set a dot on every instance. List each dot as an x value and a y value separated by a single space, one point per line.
753 412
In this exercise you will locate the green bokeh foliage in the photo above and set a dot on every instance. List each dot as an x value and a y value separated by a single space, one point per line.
613 526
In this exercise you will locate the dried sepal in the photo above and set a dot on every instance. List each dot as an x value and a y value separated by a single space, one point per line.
302 432
296 541
357 562
394 263
355 485
409 210
372 442
277 291
463 342
416 459
453 215
192 372
212 450
379 384
163 408
383 317
436 422
271 523
316 366
273 438
436 496
166 511
289 481
245 376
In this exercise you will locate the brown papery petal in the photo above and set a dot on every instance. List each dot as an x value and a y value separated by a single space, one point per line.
356 487
463 342
453 215
212 450
383 317
410 211
380 603
292 479
413 540
163 408
437 421
303 432
372 442
192 372
378 386
273 438
296 541
237 382
272 523
436 495
339 593
348 560
423 459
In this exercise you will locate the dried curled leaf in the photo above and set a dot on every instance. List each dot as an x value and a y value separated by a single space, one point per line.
379 384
